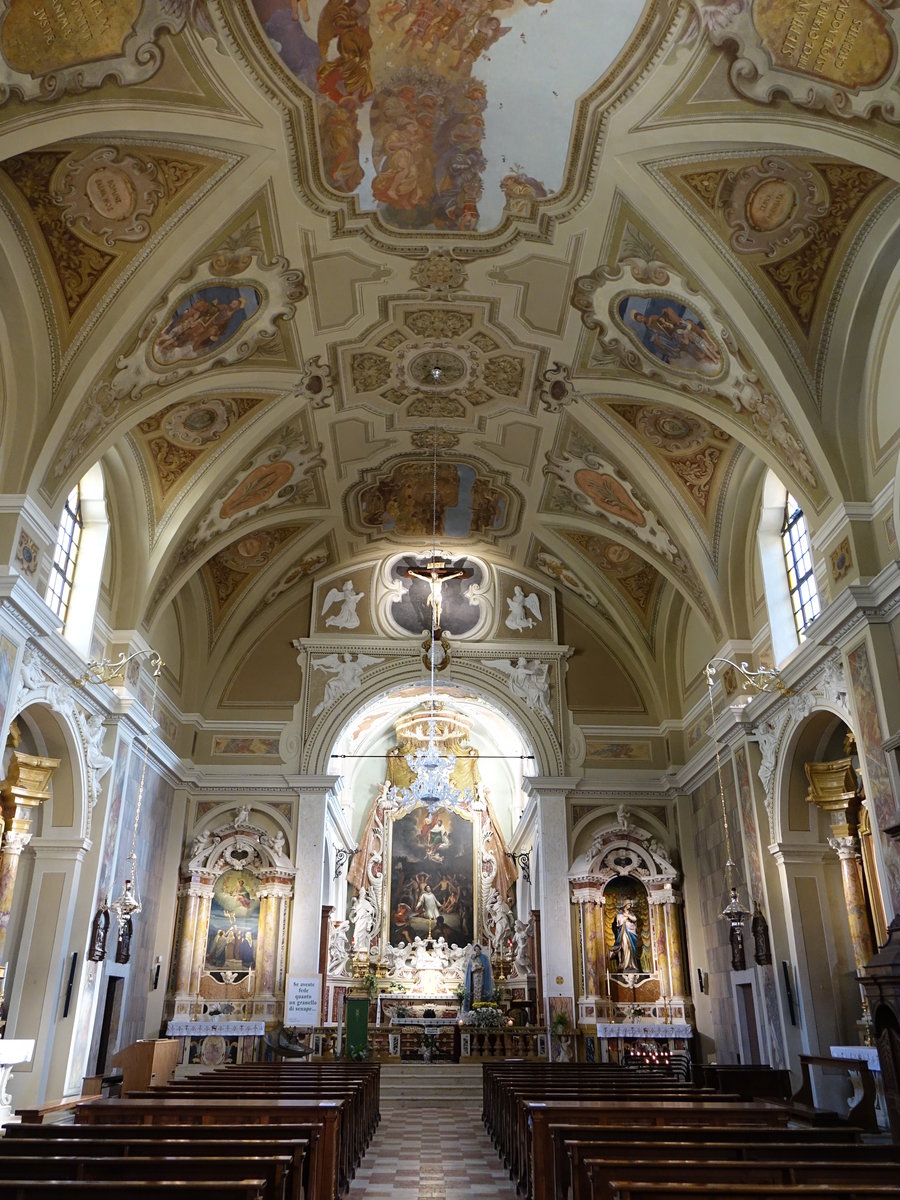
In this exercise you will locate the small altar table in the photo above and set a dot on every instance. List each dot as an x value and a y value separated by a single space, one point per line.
612 1037
214 1043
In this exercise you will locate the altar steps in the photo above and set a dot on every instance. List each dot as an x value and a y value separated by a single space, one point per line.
447 1084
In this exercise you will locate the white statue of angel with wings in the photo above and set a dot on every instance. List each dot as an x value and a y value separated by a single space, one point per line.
346 616
345 676
529 680
518 602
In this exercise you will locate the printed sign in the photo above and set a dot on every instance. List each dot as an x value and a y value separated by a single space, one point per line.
301 1002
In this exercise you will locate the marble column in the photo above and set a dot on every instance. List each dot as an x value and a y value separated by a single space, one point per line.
310 882
26 786
190 904
272 896
847 850
201 936
833 787
660 939
551 829
677 983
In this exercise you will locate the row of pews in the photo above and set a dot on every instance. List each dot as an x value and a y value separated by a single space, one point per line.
259 1131
604 1132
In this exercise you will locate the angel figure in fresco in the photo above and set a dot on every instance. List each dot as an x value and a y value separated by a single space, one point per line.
345 673
518 602
345 617
300 8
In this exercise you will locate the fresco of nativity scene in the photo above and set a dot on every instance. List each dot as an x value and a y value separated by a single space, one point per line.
443 114
432 919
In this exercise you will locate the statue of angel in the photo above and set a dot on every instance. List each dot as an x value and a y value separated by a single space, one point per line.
345 617
522 936
339 948
528 681
345 673
518 602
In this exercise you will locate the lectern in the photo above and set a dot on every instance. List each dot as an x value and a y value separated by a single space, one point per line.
147 1064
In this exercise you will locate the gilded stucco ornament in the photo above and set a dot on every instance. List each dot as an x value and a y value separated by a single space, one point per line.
652 320
837 55
47 50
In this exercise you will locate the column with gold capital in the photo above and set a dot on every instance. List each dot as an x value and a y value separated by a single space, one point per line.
26 786
272 894
848 851
204 887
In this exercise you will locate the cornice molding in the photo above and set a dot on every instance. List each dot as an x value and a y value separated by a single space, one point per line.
851 510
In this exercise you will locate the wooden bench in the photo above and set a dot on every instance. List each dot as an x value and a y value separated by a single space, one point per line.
574 1150
122 1141
106 1189
537 1179
329 1166
623 1190
273 1171
762 1173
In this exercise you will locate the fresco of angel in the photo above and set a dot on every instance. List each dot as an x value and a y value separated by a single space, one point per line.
519 607
346 674
346 617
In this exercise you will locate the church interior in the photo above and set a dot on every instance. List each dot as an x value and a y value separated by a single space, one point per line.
450 593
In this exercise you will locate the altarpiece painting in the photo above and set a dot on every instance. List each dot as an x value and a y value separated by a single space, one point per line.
432 878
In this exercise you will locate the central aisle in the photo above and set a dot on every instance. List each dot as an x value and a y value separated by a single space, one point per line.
431 1144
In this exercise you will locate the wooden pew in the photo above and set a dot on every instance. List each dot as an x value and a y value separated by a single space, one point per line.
106 1189
220 1141
623 1190
762 1173
329 1166
574 1150
537 1179
273 1172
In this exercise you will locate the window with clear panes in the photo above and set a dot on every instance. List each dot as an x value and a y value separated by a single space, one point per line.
799 564
65 555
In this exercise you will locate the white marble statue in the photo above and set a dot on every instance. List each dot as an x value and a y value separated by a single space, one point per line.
518 617
522 935
339 948
346 674
529 681
364 918
346 617
499 922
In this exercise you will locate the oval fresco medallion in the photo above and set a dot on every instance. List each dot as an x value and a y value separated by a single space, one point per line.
672 333
203 322
436 115
260 485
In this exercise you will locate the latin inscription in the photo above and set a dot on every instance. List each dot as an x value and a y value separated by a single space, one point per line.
846 42
40 36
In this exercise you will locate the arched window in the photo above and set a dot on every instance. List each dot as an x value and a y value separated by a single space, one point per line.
74 584
799 564
785 552
65 556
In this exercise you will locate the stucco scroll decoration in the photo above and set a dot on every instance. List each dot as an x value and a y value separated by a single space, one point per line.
829 689
840 55
654 322
217 315
625 849
47 50
238 845
35 687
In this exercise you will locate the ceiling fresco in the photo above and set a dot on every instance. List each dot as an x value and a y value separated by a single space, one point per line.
439 114
552 285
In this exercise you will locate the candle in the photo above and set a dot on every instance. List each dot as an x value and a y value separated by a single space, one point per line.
608 989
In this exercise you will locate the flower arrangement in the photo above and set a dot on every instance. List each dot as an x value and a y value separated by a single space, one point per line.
484 1014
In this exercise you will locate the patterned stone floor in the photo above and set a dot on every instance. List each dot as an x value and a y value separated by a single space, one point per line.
422 1151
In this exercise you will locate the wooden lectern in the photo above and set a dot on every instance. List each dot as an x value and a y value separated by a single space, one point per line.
147 1064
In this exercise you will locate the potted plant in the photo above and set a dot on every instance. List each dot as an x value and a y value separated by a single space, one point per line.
559 1023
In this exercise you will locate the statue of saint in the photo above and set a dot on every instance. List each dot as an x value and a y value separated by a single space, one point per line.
99 931
479 984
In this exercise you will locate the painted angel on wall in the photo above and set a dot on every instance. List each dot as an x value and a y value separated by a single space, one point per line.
346 617
346 674
518 604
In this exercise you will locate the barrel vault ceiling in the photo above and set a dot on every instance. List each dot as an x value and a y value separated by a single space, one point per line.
603 262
